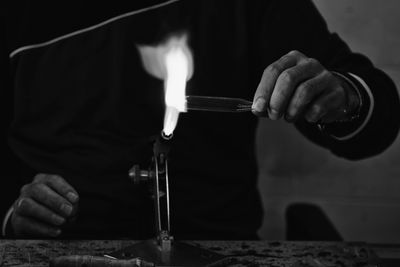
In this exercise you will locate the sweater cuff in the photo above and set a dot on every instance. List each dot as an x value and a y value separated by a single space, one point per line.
343 131
6 219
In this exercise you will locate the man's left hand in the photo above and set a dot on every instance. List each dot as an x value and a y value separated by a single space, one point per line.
296 86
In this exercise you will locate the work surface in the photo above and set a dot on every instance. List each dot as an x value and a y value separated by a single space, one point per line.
238 253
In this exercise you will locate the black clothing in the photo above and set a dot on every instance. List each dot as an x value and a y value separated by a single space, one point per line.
85 108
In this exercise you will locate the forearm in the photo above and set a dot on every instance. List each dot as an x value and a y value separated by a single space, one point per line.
374 130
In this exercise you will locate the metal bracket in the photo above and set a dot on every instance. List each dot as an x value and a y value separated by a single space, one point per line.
163 251
158 175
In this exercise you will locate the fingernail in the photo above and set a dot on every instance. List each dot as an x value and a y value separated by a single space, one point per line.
273 114
58 220
72 197
67 209
259 105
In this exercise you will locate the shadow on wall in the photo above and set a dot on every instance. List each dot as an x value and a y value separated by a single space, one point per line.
360 198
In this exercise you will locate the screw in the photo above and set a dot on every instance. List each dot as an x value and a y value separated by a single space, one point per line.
138 176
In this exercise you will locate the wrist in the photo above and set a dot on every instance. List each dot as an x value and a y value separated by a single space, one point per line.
357 118
353 99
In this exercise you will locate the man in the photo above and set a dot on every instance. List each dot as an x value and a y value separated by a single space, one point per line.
85 109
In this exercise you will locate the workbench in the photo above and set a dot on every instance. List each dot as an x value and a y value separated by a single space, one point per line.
239 253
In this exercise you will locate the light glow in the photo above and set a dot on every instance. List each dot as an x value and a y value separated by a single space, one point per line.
172 62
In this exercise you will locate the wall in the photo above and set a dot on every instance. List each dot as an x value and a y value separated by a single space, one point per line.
361 198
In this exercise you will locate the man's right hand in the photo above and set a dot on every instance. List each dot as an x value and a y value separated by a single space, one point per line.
44 206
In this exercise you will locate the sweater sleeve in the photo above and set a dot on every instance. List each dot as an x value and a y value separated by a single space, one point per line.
380 122
13 170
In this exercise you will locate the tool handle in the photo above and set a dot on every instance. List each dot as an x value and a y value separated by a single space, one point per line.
95 261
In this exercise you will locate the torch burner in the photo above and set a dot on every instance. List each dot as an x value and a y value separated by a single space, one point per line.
163 250
158 174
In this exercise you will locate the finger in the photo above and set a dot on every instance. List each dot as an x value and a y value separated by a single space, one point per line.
323 107
29 226
287 83
58 184
304 94
46 196
267 83
30 208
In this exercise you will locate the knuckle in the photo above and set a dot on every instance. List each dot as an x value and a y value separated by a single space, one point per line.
25 188
57 178
273 69
38 177
312 61
296 54
37 188
309 90
285 58
304 89
288 76
41 177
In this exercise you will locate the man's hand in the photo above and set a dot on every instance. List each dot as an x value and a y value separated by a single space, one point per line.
44 206
296 87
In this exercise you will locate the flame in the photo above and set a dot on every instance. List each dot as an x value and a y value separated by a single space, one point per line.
172 62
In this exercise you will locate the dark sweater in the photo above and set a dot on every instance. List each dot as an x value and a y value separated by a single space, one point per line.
85 108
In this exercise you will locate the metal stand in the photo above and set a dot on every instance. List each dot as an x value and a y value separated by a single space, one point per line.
163 250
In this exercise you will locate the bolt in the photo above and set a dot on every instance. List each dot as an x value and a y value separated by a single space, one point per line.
138 176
